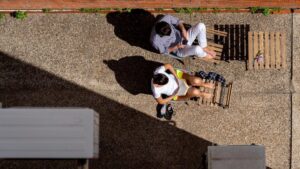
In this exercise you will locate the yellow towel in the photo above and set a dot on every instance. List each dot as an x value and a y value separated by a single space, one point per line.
179 73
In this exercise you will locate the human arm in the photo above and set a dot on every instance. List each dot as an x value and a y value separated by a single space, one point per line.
178 23
163 49
183 30
160 100
176 47
171 69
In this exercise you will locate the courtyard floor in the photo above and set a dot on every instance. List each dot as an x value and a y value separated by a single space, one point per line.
104 62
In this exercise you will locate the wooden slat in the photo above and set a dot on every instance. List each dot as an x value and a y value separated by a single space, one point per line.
229 89
238 33
217 93
255 48
218 56
242 42
247 29
278 51
200 98
250 51
272 49
261 48
214 45
215 48
205 100
226 44
267 51
231 42
207 91
216 32
234 44
210 60
222 95
212 93
204 90
283 49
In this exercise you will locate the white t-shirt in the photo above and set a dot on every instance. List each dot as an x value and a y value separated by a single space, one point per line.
167 89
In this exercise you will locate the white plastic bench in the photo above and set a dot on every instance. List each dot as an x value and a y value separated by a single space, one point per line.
49 133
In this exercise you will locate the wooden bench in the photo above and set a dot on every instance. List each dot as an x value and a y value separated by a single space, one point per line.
272 45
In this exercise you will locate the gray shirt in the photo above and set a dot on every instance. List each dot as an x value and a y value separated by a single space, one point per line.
163 43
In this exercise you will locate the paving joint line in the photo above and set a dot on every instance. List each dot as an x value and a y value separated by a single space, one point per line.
292 90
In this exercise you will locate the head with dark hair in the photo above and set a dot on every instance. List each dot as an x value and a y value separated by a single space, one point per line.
163 28
160 79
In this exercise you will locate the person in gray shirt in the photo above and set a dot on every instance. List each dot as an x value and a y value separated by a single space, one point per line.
166 38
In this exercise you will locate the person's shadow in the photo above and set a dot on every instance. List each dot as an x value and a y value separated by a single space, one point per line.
133 73
133 27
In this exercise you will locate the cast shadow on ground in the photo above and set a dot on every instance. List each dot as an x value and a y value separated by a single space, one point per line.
133 73
134 27
128 138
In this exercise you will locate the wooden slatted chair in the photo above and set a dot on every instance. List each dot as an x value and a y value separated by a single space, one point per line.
271 45
221 93
218 48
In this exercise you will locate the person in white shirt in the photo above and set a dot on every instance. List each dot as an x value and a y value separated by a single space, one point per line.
165 82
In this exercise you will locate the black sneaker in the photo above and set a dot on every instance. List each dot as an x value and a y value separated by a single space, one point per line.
159 110
159 115
169 112
168 116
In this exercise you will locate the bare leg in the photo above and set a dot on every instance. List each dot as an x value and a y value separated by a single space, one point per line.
194 92
196 81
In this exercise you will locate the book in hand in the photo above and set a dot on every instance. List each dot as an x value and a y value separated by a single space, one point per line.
183 87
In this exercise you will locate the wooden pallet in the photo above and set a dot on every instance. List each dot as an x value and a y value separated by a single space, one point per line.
235 43
273 47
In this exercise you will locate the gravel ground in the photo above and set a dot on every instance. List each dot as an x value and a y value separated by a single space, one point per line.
104 62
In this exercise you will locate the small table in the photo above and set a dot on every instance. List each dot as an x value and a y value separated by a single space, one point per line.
271 45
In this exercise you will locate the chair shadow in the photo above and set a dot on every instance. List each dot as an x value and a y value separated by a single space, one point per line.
133 73
128 137
134 27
